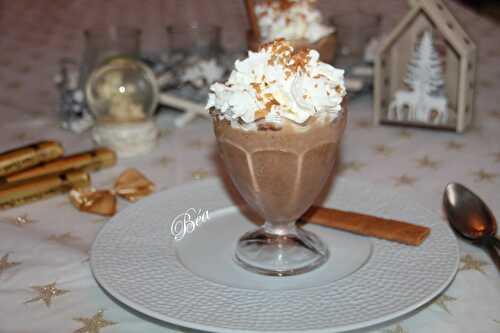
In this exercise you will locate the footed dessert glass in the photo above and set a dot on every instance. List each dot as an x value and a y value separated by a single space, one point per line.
280 172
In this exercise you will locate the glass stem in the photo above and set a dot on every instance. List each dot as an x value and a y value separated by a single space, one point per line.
280 228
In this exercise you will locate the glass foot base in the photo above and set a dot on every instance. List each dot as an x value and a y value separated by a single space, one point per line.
293 252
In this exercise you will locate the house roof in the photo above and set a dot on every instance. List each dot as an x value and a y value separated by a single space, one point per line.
444 20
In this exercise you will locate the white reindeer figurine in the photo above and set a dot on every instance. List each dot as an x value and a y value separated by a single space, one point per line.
438 105
402 100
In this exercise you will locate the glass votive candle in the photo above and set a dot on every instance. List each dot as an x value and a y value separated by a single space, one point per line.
103 42
194 57
203 41
354 31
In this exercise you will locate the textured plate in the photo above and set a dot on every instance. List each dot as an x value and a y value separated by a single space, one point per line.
194 283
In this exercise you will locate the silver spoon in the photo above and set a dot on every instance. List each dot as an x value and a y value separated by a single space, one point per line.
471 218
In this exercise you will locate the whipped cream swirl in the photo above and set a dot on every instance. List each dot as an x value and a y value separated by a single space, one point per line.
276 83
292 20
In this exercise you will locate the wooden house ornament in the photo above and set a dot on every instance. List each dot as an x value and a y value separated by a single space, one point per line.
425 71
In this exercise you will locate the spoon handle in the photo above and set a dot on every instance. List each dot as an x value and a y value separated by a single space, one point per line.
493 252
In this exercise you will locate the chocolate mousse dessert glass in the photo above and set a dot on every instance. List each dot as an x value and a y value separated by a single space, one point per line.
278 121
298 21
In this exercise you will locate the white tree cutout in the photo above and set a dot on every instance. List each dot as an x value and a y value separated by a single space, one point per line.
424 78
424 69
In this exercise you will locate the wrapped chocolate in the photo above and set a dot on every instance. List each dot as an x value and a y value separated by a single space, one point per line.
131 185
88 161
20 193
23 158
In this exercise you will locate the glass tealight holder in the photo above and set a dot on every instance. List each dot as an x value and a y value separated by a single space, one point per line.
193 55
103 42
122 94
355 31
194 40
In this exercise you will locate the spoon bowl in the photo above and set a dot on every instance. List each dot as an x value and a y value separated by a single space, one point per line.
470 217
467 213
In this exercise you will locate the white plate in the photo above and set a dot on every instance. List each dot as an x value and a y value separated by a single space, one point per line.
194 282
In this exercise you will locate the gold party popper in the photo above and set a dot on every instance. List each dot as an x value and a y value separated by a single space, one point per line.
26 157
89 161
24 192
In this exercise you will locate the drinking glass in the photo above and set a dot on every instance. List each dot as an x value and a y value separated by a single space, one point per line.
120 90
280 173
203 41
193 59
354 31
103 42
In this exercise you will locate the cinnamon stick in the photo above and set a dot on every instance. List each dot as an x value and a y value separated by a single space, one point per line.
252 18
398 231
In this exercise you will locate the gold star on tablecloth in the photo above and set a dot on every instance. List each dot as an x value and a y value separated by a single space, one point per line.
426 162
442 301
46 293
493 53
5 62
63 204
21 136
199 174
99 221
469 263
404 134
165 161
476 129
405 180
63 238
5 264
483 176
196 144
495 114
20 221
486 83
38 114
164 133
14 85
363 123
42 93
383 150
94 324
5 102
24 69
396 329
452 145
354 166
